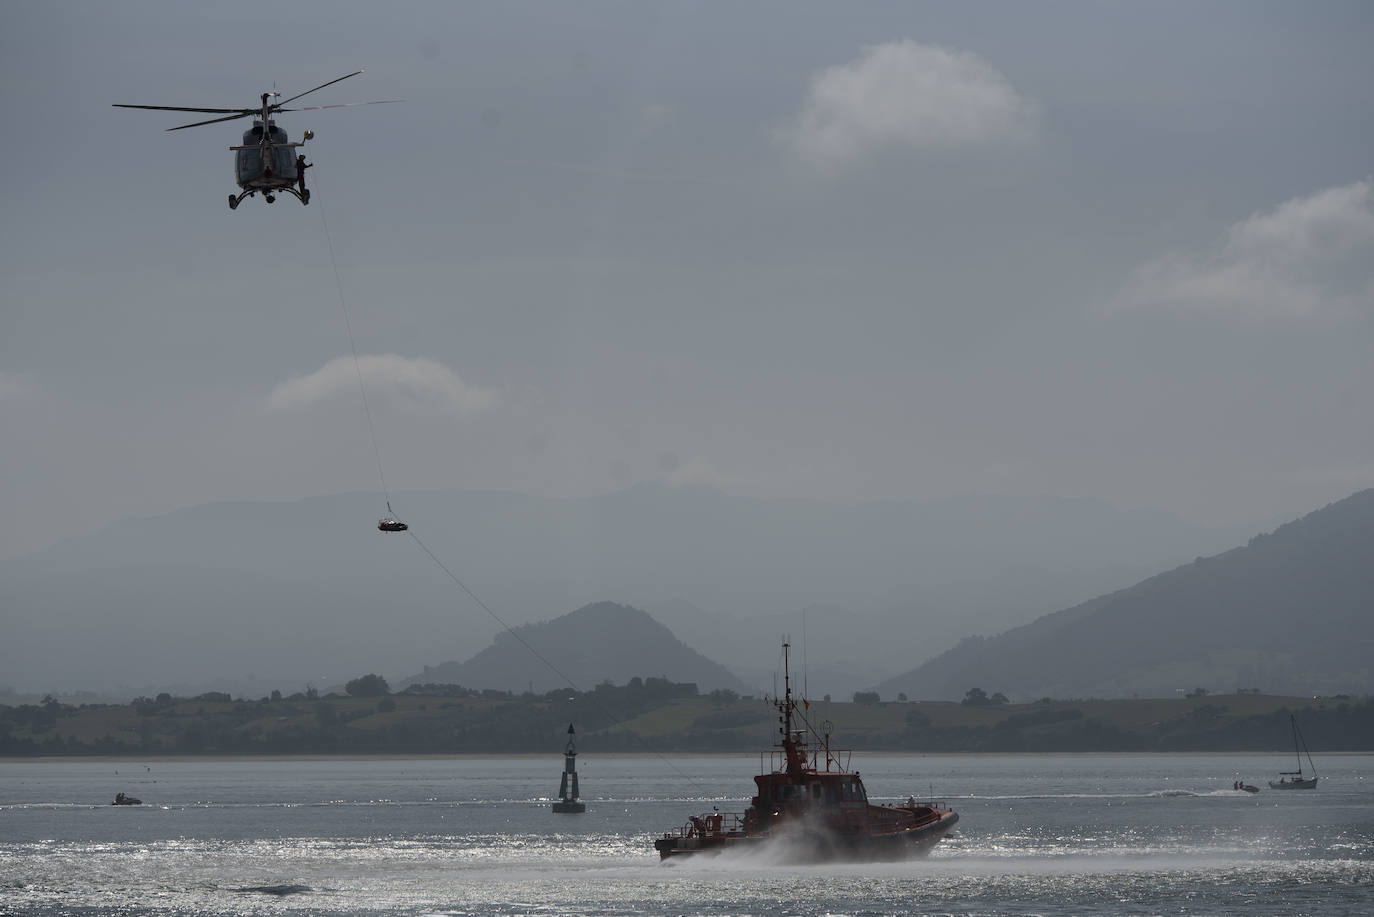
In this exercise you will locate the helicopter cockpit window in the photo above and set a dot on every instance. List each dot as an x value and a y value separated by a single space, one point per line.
248 164
285 161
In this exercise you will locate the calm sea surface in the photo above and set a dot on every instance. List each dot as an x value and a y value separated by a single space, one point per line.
1070 834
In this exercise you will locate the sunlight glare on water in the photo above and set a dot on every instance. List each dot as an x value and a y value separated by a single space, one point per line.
1054 835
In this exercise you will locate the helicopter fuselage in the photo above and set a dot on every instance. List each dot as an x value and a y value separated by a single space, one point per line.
267 159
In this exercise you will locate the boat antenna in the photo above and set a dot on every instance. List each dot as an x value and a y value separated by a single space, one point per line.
782 658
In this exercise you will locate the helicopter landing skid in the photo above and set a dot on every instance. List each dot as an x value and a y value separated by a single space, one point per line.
270 196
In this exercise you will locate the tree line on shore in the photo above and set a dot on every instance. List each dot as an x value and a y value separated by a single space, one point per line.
655 714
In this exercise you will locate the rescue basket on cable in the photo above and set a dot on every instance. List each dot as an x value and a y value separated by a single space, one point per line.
389 522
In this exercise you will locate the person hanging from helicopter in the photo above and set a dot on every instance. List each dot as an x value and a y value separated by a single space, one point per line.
389 522
301 166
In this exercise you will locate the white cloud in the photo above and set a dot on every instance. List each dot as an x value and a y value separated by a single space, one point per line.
1310 255
906 95
696 471
16 386
415 384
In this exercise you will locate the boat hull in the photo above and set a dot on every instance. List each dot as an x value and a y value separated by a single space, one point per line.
1309 784
801 843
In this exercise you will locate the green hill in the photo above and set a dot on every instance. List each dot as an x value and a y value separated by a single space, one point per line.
596 643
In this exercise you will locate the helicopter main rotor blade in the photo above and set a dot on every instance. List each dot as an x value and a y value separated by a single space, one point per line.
208 111
242 114
278 105
343 105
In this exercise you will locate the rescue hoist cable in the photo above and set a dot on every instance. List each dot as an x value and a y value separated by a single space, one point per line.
357 365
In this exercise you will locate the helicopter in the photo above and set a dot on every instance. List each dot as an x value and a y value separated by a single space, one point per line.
266 161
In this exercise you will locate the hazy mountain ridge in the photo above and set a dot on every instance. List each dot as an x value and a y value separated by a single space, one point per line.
1289 612
595 643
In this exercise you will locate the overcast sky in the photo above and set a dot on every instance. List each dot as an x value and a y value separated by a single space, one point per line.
836 251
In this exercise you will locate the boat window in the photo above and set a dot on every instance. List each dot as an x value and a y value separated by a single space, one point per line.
858 790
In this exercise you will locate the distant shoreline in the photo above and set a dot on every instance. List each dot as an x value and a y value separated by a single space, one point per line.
664 719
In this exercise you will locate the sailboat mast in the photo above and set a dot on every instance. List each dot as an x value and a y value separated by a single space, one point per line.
1297 749
1298 739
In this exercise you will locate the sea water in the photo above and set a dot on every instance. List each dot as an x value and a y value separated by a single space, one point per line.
1039 834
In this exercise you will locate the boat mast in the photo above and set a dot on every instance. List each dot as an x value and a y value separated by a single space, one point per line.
1299 740
1297 750
791 744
